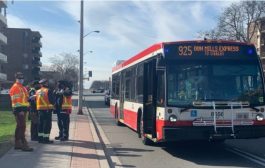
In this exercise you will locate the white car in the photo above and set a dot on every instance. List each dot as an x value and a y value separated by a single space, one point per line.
4 91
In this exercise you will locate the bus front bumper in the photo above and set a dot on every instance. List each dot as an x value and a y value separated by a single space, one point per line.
206 132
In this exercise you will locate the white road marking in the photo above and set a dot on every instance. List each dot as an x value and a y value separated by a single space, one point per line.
247 155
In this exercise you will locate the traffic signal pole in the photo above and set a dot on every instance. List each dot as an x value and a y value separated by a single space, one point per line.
80 94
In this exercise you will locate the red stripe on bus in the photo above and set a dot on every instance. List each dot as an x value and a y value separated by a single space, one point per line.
259 122
130 118
138 56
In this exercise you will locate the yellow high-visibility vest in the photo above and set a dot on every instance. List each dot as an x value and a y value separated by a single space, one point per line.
42 99
67 103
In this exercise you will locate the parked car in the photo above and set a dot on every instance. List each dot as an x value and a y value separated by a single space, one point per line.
107 97
98 91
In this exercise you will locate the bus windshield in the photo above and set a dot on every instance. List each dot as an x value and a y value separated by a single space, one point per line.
214 82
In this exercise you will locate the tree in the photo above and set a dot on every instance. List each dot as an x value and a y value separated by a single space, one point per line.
66 66
239 21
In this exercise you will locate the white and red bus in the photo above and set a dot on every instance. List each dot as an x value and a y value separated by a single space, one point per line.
191 90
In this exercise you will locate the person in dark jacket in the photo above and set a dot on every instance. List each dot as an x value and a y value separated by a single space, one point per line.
63 108
33 110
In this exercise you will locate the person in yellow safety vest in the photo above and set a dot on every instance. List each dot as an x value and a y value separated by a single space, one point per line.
44 105
63 108
19 98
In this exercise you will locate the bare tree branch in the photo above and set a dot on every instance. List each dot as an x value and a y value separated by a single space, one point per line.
66 65
239 21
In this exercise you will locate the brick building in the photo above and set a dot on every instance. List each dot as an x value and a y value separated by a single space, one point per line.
3 40
23 50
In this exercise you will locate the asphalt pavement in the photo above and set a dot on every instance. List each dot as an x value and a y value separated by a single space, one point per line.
128 148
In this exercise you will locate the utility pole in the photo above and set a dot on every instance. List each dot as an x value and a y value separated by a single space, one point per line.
80 98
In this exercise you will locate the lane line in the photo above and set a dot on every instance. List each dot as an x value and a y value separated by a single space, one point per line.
110 154
249 156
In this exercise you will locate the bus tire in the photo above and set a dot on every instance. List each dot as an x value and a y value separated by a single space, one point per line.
145 140
118 123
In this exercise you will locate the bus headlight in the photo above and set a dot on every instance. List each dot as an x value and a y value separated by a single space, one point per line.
259 117
173 118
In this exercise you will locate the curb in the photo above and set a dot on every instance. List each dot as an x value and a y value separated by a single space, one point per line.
110 154
99 147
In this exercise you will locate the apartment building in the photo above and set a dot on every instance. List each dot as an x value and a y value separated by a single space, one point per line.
23 50
3 40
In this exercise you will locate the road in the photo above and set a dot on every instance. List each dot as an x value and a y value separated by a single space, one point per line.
132 153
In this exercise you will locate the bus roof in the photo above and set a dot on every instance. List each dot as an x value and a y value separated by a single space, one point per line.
159 46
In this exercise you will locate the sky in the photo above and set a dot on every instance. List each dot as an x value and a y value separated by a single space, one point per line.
126 27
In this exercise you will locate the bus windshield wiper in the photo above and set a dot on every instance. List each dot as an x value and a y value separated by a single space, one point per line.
254 108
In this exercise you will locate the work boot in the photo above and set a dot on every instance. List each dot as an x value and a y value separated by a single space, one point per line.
18 145
64 139
40 139
58 138
47 141
25 147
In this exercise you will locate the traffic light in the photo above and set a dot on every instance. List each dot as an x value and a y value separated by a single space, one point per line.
89 73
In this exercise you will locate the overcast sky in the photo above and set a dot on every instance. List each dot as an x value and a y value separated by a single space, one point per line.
126 27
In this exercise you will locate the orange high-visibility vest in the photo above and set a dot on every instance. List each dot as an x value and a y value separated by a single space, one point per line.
67 103
42 99
19 95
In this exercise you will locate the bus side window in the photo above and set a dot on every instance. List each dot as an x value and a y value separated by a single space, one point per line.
160 88
139 83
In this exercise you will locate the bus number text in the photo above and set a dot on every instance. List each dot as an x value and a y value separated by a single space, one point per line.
185 50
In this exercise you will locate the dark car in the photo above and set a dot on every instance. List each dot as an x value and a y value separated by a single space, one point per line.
107 97
98 91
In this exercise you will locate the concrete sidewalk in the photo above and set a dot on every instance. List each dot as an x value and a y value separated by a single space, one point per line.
79 152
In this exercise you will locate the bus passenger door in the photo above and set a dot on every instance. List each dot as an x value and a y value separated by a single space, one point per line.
122 95
149 112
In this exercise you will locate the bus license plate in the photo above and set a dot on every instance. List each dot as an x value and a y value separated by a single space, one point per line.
242 116
218 114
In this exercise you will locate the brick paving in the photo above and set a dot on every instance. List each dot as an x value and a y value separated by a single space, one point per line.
80 151
84 153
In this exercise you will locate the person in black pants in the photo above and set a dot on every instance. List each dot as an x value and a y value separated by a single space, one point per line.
44 103
33 110
63 108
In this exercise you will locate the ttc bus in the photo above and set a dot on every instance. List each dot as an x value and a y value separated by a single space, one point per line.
191 90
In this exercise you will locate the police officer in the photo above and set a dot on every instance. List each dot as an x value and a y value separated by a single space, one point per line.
20 104
63 108
44 103
33 111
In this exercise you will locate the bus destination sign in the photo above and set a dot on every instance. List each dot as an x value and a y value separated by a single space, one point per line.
211 50
204 50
